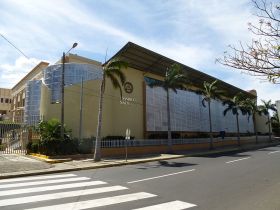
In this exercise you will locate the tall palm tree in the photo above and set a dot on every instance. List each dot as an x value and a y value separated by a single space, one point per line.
111 71
236 105
174 79
265 108
210 91
252 109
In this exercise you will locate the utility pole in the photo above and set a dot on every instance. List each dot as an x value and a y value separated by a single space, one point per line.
81 109
62 90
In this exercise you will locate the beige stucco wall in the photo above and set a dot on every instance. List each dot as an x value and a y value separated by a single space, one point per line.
5 101
117 117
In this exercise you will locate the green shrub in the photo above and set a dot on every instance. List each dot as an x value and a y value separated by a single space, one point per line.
51 143
276 131
58 147
32 147
115 138
86 145
3 147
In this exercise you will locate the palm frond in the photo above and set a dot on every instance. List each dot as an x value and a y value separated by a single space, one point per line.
119 74
226 111
156 83
116 84
112 70
203 101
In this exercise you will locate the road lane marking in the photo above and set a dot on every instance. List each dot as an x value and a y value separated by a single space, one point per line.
43 182
53 187
232 161
37 178
273 152
53 196
99 202
174 205
156 177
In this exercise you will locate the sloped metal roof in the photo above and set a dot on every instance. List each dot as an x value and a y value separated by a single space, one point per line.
146 60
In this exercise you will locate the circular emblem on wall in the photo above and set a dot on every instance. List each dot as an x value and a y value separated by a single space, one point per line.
128 87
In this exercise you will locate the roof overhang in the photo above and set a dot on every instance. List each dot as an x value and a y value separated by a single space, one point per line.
146 60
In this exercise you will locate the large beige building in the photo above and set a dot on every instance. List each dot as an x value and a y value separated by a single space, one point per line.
18 92
5 103
142 108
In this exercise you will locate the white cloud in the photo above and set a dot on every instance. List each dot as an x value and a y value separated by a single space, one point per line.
13 73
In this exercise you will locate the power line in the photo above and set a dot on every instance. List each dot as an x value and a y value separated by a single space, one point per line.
15 46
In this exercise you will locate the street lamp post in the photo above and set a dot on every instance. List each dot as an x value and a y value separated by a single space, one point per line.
62 90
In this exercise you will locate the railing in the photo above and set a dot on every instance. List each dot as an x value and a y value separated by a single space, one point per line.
13 137
164 142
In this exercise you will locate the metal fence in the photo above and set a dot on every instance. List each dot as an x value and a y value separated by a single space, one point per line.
14 137
162 142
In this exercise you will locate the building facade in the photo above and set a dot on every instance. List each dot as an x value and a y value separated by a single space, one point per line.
5 103
18 92
142 109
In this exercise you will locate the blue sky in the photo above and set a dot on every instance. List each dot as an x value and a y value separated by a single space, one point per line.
194 32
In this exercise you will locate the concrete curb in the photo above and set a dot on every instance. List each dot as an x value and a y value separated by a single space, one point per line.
21 174
115 164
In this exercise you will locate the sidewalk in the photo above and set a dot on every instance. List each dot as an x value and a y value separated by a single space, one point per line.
76 165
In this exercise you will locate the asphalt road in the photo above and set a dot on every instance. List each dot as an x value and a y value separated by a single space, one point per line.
248 180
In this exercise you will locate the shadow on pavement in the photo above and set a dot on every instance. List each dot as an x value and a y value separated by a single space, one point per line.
226 153
174 164
164 163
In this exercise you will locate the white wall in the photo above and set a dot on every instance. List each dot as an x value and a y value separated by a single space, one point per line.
188 113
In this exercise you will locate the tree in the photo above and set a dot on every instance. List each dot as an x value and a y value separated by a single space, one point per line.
174 79
210 91
252 109
111 71
236 105
275 124
261 56
265 108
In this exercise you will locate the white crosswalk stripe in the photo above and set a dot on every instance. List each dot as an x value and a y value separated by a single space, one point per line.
24 184
173 205
99 202
37 178
52 196
69 191
53 187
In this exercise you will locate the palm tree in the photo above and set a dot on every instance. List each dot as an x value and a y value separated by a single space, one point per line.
267 105
275 123
111 71
235 105
252 109
174 79
210 91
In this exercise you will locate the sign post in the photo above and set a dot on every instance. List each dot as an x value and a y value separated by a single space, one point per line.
127 137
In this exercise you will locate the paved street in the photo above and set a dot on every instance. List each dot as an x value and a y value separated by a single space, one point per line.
16 163
248 180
